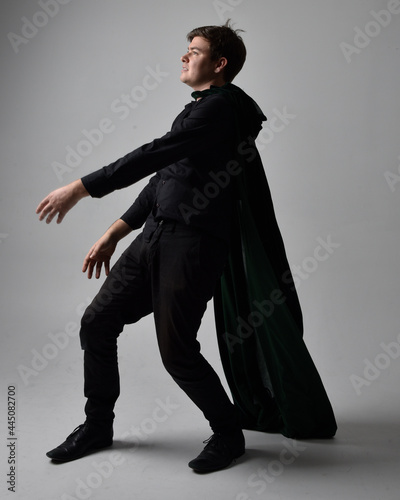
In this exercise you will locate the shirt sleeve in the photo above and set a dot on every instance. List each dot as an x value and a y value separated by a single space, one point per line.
209 123
137 214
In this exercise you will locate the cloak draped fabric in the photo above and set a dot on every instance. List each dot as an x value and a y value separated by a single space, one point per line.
271 375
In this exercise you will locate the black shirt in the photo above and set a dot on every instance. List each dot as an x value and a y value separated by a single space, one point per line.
191 185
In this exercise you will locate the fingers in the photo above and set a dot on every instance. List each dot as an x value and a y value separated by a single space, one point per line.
90 268
46 209
88 263
107 267
99 254
50 216
98 269
93 264
58 202
41 205
43 209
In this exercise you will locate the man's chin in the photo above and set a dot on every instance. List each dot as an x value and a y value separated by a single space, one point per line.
183 79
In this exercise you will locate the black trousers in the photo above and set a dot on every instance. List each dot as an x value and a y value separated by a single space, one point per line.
172 274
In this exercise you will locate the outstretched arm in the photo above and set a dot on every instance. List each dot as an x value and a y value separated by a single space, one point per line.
209 124
60 201
102 250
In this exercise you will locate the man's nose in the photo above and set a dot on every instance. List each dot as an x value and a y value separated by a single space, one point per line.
184 58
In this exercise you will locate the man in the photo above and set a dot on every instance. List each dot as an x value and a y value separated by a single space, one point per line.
207 213
172 267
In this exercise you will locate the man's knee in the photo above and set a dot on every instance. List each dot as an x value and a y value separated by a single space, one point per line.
97 326
88 317
87 327
97 312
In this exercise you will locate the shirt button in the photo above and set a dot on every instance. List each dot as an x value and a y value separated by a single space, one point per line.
157 205
163 182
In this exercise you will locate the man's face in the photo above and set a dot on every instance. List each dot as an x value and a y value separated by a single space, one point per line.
198 71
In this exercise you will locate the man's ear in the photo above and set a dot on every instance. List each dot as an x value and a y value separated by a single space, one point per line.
222 62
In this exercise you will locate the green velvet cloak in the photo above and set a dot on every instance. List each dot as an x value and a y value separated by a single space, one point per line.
271 375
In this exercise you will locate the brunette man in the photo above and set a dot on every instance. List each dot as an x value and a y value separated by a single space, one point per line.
173 268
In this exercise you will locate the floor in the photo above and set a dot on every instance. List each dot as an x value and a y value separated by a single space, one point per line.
155 439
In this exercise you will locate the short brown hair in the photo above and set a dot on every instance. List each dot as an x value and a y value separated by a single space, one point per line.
224 42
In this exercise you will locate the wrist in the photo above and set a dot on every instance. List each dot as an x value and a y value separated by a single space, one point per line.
79 189
118 230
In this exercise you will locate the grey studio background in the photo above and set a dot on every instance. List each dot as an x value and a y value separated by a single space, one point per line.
326 73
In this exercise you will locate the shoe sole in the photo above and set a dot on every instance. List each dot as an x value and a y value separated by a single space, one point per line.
215 469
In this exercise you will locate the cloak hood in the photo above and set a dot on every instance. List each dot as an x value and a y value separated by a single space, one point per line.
248 114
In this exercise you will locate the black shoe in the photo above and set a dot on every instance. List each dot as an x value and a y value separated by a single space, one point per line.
83 440
220 451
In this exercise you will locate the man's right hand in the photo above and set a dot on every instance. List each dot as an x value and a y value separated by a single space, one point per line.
60 201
